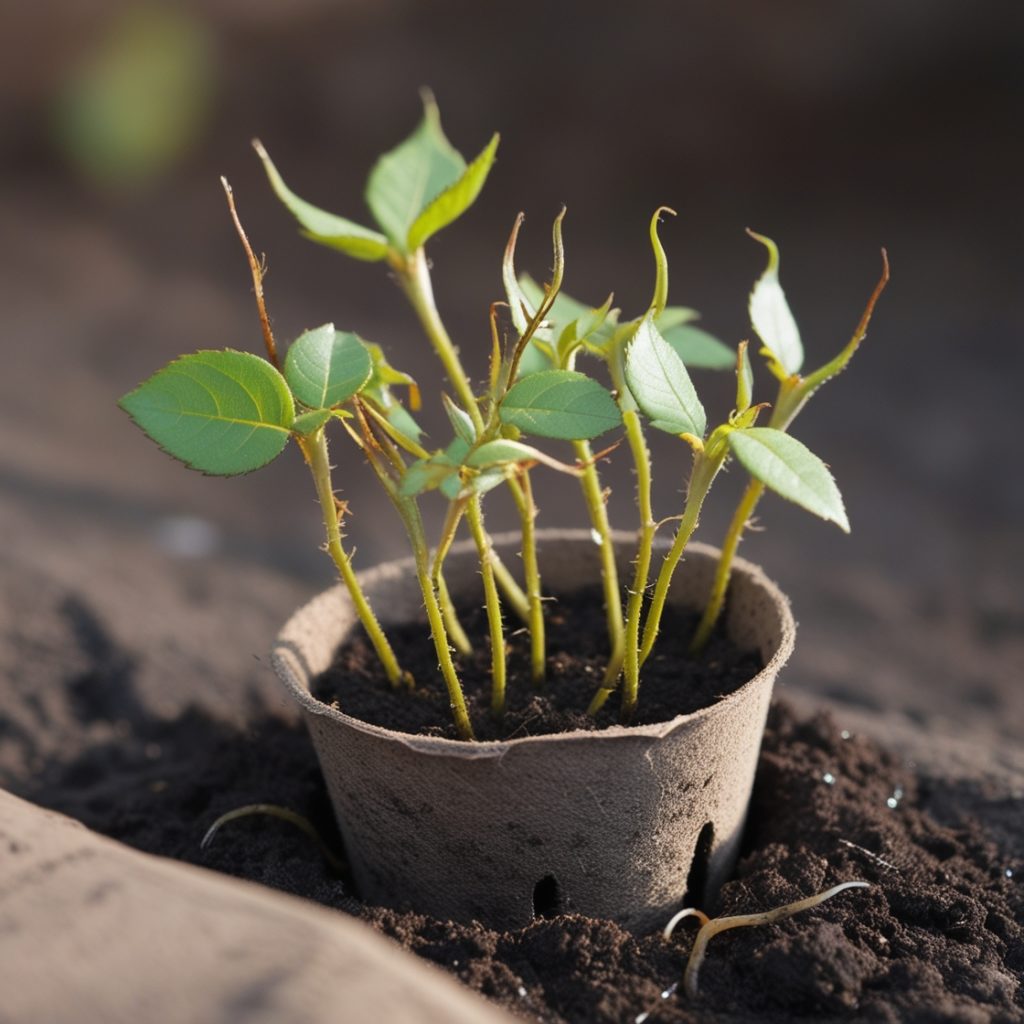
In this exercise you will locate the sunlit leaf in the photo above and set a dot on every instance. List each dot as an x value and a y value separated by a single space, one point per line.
771 316
744 378
659 383
323 227
404 181
560 404
221 412
325 367
790 469
453 202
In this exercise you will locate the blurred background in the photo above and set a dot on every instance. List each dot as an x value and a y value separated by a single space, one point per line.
835 128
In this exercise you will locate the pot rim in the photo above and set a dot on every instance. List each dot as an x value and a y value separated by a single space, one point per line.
288 661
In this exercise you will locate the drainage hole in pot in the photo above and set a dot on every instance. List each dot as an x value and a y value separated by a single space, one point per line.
697 880
547 897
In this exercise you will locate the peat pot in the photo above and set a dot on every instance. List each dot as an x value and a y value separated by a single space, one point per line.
615 824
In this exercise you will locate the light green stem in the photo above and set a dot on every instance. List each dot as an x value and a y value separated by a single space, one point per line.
598 511
493 604
456 633
315 450
414 275
531 572
631 663
705 470
723 571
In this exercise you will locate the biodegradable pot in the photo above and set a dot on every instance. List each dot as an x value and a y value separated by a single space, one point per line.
615 824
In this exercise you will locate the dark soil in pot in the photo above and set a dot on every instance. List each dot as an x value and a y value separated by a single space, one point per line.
674 682
937 937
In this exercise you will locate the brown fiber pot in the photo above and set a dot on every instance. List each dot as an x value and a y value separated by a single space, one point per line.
606 824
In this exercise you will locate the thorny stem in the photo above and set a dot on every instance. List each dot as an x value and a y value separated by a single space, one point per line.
531 571
493 606
598 511
315 451
451 620
705 468
414 275
793 395
631 662
710 927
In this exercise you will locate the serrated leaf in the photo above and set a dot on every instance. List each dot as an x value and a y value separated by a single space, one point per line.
325 367
790 469
659 383
698 349
323 227
770 314
310 421
221 412
560 404
460 420
453 202
404 181
744 378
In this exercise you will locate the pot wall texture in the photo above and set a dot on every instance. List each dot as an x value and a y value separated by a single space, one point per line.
601 823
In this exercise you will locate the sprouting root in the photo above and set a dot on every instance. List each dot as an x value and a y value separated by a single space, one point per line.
711 926
285 814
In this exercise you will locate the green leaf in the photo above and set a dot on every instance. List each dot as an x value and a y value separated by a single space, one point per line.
561 404
790 469
223 412
659 383
325 367
771 316
451 486
485 481
460 420
505 451
673 316
323 227
424 475
453 202
698 349
744 378
310 421
405 181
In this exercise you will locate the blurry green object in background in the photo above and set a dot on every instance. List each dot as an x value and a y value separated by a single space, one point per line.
139 99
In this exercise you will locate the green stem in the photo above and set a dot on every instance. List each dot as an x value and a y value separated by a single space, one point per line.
315 450
451 619
414 275
723 571
493 605
598 511
531 571
705 469
631 663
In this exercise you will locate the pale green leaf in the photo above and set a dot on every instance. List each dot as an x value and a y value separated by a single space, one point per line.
673 316
560 404
323 227
770 314
423 475
310 421
744 378
460 420
451 486
325 367
698 349
790 469
406 180
222 412
485 481
453 202
659 383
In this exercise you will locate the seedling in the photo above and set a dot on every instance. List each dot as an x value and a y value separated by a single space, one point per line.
711 926
227 412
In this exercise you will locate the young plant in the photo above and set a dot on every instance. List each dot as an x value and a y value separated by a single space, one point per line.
226 412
